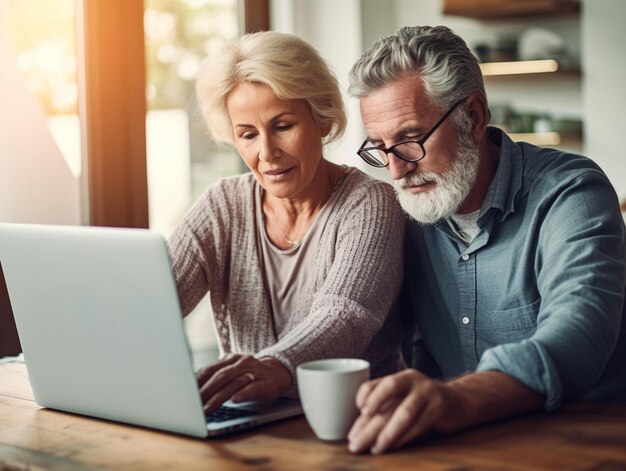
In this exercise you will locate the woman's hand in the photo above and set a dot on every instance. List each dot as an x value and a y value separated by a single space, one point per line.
242 378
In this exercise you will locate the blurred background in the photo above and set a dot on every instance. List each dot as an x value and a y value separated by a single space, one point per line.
99 123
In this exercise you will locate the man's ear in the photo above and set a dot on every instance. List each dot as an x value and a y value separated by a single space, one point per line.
478 112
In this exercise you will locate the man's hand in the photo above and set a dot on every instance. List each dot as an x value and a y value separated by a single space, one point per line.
242 378
399 408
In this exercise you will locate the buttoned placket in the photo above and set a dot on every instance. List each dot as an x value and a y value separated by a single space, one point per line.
466 276
467 292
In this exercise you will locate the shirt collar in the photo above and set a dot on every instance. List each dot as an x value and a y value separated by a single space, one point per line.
507 181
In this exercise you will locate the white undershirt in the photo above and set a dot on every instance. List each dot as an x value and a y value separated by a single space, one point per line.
465 225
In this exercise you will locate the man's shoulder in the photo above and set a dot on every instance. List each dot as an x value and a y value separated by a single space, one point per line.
568 189
548 170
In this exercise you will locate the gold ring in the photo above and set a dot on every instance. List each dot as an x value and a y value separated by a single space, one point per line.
250 376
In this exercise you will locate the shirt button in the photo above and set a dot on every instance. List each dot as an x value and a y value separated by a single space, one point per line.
465 257
465 320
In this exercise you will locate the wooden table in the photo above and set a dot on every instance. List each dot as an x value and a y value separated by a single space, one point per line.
580 437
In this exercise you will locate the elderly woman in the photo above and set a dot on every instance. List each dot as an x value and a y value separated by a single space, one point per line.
301 257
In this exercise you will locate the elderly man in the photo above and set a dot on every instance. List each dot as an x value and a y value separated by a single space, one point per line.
515 261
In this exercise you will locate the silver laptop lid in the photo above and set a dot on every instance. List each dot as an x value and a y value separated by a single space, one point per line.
100 324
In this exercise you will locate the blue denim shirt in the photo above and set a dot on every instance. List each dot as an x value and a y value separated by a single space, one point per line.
539 293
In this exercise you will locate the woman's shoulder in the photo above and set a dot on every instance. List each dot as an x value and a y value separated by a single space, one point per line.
231 190
356 178
366 207
365 198
227 198
242 182
360 185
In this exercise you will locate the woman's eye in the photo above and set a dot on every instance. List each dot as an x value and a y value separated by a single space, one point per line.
282 127
248 135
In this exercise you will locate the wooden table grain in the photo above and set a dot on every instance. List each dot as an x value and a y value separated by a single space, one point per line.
578 437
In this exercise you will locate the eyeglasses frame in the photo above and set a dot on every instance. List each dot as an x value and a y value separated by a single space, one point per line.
420 142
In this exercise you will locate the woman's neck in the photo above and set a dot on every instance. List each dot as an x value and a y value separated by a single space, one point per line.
325 180
287 219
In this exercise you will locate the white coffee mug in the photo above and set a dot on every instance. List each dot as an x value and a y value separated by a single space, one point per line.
328 394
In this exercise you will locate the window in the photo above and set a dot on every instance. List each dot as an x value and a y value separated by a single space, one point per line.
40 162
39 126
181 159
84 60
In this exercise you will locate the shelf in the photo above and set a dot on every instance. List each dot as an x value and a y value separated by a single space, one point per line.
543 66
549 139
519 67
486 9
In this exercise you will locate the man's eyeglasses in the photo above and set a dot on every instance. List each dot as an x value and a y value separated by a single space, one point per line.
410 151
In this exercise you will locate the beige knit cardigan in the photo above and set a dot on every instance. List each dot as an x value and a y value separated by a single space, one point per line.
350 291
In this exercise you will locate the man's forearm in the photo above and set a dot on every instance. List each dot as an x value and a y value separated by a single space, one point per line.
485 396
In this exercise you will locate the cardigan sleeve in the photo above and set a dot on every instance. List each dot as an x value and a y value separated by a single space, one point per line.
361 285
197 247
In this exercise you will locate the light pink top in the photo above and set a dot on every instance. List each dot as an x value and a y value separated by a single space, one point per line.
342 309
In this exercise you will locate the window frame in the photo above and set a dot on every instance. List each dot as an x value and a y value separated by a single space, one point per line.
112 107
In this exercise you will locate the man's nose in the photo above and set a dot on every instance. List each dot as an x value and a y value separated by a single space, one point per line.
398 168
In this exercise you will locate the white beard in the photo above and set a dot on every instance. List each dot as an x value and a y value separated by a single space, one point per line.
451 188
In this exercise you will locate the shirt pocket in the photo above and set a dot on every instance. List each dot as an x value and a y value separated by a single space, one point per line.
513 325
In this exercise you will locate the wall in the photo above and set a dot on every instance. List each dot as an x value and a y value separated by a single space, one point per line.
604 93
334 29
559 97
341 30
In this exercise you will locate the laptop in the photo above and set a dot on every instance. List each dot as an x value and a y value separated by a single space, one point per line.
101 329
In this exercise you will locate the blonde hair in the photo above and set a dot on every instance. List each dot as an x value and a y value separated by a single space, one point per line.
292 68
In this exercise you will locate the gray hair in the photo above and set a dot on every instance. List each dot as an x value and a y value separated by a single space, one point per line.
442 60
292 68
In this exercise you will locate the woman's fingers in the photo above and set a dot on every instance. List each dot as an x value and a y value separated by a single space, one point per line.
221 396
242 378
229 371
255 391
205 374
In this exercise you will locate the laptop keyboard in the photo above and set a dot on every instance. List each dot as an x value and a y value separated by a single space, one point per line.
225 413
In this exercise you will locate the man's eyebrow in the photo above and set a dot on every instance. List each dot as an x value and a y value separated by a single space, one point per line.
408 130
400 135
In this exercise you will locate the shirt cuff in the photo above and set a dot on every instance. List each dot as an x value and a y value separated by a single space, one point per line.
530 364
